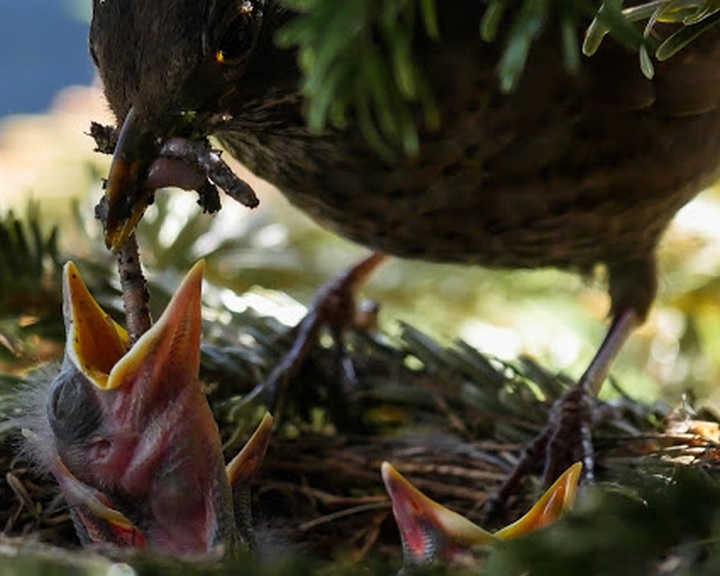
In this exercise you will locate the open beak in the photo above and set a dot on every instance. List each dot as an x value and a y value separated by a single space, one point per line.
127 194
556 500
431 532
138 451
242 470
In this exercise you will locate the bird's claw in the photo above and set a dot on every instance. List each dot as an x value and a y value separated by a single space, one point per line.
570 438
567 435
334 307
565 439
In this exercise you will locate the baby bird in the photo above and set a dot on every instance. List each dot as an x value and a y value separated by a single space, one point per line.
130 438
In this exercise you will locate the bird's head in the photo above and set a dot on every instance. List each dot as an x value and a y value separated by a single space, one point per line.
133 443
432 533
178 69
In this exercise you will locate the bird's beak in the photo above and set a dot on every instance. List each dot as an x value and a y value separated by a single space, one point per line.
242 470
150 469
424 524
126 192
244 467
94 341
559 498
96 521
147 159
431 532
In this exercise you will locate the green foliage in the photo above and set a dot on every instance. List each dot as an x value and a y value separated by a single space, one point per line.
30 299
358 55
358 58
528 21
27 257
693 16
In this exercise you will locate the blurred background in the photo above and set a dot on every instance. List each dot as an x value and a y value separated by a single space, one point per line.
43 49
48 97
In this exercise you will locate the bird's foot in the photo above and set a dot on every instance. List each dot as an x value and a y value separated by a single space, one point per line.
567 436
566 439
572 418
334 307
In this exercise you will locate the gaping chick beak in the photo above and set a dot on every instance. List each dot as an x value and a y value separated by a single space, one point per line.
431 532
138 451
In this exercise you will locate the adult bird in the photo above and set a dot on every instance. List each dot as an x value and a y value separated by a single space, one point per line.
130 438
568 171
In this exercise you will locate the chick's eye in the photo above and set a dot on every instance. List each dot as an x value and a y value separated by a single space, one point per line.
73 412
240 35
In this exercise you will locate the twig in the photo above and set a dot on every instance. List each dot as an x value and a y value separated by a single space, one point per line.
135 294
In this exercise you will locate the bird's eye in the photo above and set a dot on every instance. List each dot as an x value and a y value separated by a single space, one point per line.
73 412
240 34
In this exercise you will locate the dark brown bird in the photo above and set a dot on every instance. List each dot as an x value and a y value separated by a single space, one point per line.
569 171
130 438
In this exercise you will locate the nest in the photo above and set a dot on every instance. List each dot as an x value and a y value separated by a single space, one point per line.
452 420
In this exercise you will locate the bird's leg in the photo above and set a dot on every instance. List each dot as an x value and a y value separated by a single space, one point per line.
572 416
567 437
334 307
